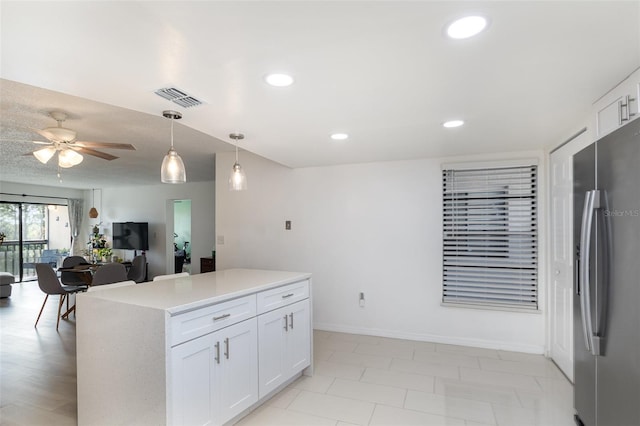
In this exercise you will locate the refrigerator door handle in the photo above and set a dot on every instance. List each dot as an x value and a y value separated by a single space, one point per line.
584 285
605 247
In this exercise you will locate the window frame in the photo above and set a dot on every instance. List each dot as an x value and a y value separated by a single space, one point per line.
501 270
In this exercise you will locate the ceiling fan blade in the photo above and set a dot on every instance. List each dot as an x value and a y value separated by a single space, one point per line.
108 145
43 143
93 152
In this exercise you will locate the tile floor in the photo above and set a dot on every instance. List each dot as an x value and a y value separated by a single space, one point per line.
358 380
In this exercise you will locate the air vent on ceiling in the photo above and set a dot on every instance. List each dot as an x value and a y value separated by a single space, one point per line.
178 96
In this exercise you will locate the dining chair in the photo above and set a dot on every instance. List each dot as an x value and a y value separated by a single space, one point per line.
138 270
72 278
50 257
49 284
109 273
170 276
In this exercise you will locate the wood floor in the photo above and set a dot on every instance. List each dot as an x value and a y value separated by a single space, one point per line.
37 365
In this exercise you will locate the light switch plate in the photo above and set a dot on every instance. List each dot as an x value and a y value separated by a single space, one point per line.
287 225
220 239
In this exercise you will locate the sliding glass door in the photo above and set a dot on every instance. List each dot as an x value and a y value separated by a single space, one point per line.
34 233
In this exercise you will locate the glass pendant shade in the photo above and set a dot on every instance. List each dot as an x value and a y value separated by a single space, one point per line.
69 158
173 170
237 179
44 155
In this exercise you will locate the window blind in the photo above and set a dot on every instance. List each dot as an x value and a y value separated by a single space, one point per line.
490 251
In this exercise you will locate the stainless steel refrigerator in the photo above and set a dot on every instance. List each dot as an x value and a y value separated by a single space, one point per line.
607 285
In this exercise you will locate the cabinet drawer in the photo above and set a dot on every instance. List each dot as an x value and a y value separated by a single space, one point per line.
281 296
206 320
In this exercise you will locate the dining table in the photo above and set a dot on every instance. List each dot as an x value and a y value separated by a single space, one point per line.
84 271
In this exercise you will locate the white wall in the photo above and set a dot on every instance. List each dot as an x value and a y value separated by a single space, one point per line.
136 204
149 204
375 228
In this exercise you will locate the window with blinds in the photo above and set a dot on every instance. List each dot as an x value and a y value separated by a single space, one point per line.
490 237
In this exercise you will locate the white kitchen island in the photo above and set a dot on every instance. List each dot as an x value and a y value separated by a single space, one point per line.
202 349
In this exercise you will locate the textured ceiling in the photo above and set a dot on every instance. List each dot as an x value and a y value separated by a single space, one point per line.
381 71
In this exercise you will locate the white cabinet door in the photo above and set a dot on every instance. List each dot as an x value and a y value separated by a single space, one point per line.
236 384
192 378
214 376
618 107
285 345
298 338
272 349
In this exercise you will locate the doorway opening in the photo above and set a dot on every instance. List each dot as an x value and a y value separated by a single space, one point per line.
182 235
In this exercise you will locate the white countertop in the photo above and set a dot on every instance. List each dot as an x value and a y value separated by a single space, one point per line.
187 293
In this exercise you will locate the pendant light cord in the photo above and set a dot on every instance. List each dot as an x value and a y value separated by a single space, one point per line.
172 133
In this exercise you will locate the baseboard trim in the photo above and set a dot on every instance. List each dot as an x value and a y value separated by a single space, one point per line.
421 337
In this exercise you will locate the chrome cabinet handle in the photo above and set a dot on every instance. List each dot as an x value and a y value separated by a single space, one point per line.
629 113
287 295
291 317
286 323
226 348
217 357
221 317
620 116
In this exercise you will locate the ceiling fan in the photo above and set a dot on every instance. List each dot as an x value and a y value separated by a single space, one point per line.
64 142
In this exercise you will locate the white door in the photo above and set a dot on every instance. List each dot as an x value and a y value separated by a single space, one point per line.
562 249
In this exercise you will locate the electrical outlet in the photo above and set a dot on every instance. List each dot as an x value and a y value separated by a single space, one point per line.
287 225
361 300
220 239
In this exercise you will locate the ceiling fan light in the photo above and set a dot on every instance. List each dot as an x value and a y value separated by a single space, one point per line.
237 179
69 158
173 170
60 134
44 155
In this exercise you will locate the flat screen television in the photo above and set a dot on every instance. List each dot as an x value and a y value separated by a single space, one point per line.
131 235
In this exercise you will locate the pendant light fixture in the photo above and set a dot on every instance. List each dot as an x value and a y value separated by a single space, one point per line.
173 170
237 179
93 213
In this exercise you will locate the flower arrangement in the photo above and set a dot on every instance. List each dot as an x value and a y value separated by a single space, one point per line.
98 244
97 240
104 252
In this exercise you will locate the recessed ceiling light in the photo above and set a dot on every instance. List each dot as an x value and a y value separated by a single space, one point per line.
279 80
466 27
453 123
339 136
